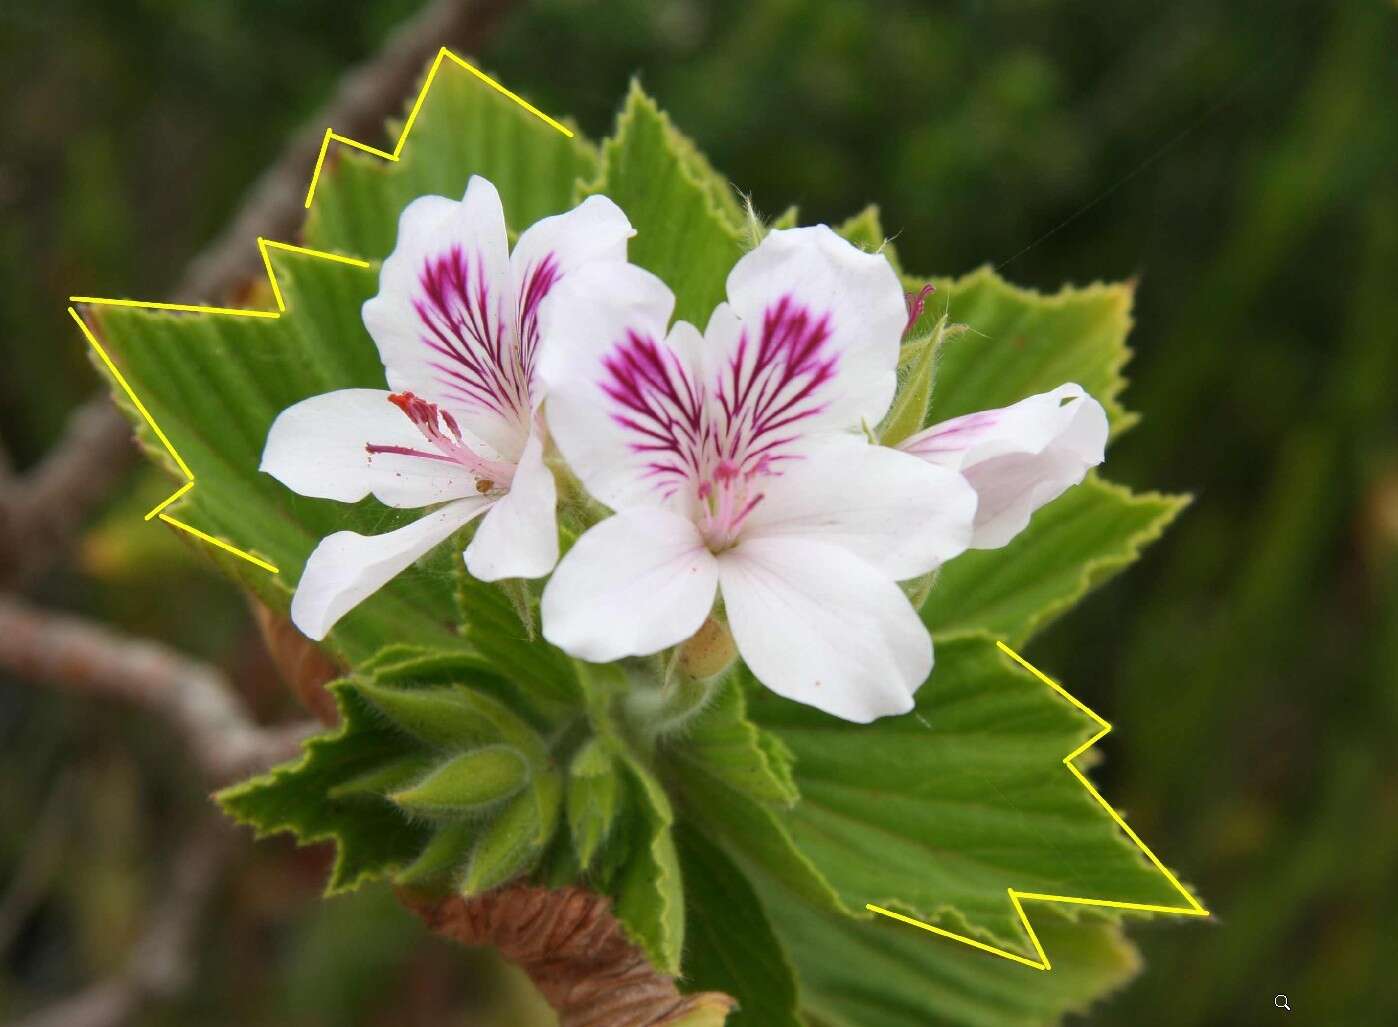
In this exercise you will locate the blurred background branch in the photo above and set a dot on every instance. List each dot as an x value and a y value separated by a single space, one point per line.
161 962
194 698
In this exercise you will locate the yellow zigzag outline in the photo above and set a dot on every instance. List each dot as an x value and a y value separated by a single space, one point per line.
1017 898
264 246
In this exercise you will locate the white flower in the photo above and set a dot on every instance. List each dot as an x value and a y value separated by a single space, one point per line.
1018 457
456 322
733 466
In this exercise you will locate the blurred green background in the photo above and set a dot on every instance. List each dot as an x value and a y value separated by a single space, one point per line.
1239 160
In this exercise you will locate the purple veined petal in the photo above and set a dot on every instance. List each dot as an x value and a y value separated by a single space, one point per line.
346 568
595 230
658 407
352 443
816 624
623 401
445 316
1018 458
821 323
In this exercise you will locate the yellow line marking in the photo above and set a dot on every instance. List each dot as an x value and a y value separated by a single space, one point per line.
264 247
218 542
131 394
442 55
188 308
170 498
1191 907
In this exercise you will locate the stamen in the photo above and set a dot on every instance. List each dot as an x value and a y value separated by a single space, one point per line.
916 302
441 429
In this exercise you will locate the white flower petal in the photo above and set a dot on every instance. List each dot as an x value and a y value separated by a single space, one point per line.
346 568
550 249
623 404
817 329
636 583
444 316
1019 457
897 513
317 448
518 538
820 626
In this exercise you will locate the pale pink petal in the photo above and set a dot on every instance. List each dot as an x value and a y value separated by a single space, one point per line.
818 625
623 404
547 251
444 316
811 340
1019 457
518 538
897 513
346 568
634 584
320 447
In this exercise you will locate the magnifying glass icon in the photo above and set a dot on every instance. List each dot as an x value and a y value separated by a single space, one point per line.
1281 1003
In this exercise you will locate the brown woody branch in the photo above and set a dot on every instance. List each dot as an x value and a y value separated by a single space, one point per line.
575 952
40 511
94 660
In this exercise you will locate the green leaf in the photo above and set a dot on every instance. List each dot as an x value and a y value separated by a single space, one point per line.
730 944
389 736
865 230
733 778
789 218
493 627
939 812
649 892
463 128
1087 535
724 744
689 227
464 784
593 799
1021 343
886 974
371 837
215 383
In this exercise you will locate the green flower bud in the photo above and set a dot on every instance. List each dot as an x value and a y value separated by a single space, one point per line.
382 779
467 783
514 840
437 716
709 652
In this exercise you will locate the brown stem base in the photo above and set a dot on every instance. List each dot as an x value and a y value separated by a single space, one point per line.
575 952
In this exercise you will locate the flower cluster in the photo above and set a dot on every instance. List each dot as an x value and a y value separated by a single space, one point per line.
737 462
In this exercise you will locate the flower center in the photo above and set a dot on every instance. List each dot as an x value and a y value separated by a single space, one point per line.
441 429
727 495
